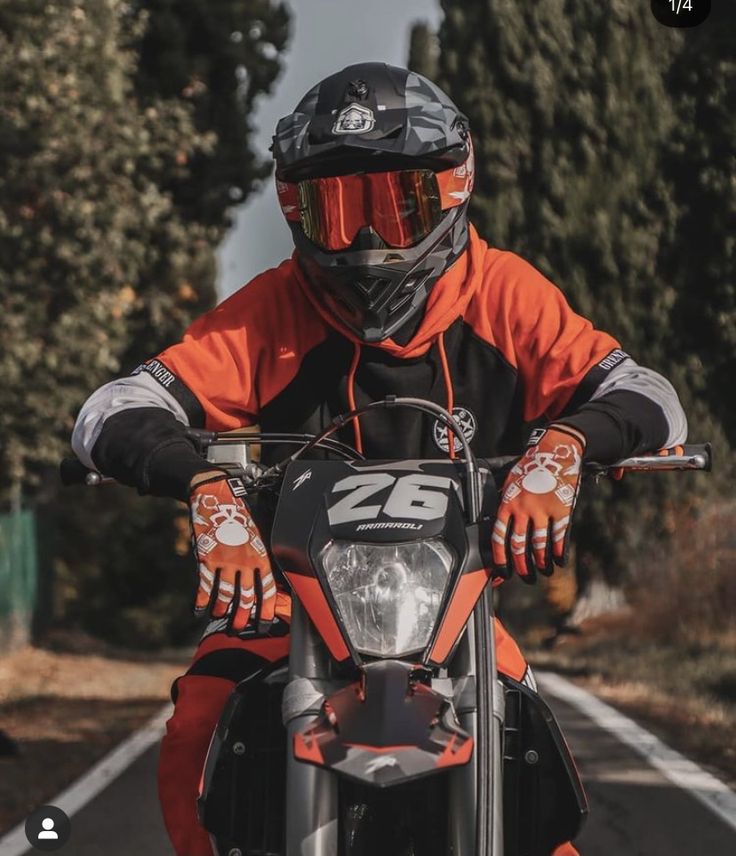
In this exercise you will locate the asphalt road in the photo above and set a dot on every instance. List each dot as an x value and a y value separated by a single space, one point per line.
635 811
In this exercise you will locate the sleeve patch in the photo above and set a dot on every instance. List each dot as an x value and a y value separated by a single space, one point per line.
613 359
158 371
176 388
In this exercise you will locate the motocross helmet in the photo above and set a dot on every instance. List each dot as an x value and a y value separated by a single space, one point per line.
374 169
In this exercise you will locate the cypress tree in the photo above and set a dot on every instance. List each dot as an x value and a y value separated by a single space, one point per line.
120 156
219 56
82 216
700 258
573 113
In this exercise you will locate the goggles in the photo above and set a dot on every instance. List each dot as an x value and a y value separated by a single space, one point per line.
402 206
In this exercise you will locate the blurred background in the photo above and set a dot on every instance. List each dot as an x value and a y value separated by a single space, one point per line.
136 192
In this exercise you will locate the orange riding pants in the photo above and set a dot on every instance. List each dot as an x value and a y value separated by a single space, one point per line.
219 663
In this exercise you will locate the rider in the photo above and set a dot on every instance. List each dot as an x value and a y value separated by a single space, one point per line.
390 290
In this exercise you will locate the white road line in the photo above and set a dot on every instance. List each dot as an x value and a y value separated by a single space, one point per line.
704 787
105 771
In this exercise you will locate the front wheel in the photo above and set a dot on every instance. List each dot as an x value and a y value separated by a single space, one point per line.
404 820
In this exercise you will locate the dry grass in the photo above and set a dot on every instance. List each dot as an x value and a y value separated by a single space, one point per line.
33 672
71 707
691 595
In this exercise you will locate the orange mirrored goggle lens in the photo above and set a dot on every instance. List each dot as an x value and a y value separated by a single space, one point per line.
402 206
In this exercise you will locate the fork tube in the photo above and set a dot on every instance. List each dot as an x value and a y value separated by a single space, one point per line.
489 805
311 793
498 706
463 795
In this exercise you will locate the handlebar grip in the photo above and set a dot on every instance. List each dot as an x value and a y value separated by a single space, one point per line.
694 456
704 450
73 471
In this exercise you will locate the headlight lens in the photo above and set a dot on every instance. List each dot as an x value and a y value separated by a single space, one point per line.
389 595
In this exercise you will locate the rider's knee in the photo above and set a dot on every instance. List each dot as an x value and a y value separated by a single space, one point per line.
199 699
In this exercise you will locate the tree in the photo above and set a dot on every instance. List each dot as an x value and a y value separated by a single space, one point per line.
119 159
699 162
83 218
217 57
120 155
221 56
424 50
572 112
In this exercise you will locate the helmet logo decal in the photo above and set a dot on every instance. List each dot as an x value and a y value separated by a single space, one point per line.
354 119
465 419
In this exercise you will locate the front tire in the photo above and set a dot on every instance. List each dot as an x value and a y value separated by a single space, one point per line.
404 820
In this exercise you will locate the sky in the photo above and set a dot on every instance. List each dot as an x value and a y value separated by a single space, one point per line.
326 36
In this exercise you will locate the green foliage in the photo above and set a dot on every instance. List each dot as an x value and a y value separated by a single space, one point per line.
122 567
424 51
118 159
220 56
125 136
700 164
216 57
84 220
604 146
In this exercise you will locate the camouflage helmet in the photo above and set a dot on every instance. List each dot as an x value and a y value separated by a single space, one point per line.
369 119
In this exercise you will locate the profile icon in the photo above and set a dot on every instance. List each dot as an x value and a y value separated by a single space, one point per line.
47 831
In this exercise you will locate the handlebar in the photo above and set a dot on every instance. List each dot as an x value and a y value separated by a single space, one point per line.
689 457
694 456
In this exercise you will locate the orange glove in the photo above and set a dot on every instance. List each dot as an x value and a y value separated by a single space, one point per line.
231 557
533 523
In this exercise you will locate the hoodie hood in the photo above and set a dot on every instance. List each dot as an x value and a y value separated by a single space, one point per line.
447 301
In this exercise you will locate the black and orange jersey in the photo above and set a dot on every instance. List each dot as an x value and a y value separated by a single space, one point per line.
498 345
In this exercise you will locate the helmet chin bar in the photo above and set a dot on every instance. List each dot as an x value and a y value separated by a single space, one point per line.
374 292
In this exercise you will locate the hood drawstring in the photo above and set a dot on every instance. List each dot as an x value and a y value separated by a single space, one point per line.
450 391
440 341
351 397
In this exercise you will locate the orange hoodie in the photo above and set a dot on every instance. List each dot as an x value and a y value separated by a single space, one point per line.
498 344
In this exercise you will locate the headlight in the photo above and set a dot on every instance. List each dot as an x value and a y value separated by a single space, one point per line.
389 595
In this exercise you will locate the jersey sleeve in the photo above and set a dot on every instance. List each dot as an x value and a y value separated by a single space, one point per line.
135 428
214 364
573 373
236 358
230 363
559 356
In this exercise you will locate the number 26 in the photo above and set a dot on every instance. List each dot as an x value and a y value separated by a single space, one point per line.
413 497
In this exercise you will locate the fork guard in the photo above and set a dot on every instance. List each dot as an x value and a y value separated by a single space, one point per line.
385 729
